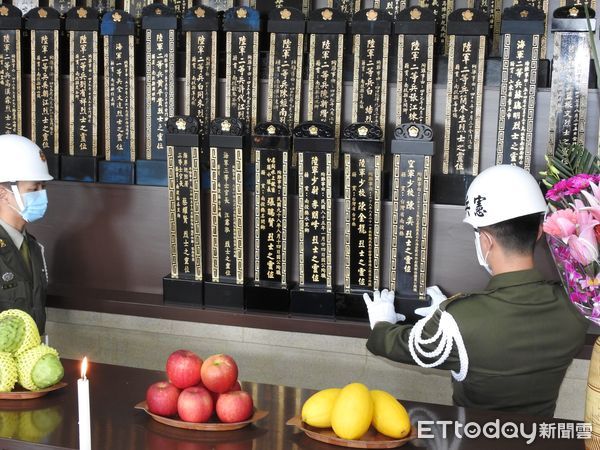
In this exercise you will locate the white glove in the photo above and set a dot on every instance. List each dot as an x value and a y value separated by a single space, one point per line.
437 297
381 308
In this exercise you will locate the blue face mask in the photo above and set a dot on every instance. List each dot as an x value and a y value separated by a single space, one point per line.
34 204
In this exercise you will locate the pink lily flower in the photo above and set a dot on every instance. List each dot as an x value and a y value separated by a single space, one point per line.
584 248
561 224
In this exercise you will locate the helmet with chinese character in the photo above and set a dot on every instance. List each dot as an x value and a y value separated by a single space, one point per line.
21 160
502 193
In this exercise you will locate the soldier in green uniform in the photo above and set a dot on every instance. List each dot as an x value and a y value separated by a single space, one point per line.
23 272
508 346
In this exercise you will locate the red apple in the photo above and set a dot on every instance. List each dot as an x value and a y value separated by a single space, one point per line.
162 398
219 373
235 406
236 387
183 368
195 404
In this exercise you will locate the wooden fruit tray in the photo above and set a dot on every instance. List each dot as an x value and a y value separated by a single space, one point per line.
207 426
371 439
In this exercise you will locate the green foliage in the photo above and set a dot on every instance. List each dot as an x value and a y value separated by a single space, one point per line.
568 161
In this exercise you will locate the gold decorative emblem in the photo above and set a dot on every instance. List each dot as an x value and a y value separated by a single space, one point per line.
313 130
285 14
180 124
415 14
242 13
226 126
200 12
362 131
42 13
467 15
158 12
573 12
42 156
524 13
371 15
117 17
413 131
2 243
3 11
327 14
82 13
271 129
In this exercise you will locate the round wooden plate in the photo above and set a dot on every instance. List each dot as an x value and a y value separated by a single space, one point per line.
22 394
207 426
371 439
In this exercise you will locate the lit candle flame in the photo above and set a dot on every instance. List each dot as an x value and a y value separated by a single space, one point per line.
84 365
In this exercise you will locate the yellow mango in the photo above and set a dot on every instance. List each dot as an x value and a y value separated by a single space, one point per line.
352 412
389 416
316 411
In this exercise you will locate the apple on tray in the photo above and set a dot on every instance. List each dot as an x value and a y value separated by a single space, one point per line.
183 368
161 398
195 405
234 406
219 373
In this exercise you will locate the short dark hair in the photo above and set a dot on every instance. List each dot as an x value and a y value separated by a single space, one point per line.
517 235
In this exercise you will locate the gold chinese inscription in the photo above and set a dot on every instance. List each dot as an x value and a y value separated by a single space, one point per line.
271 215
411 183
227 216
160 89
463 107
441 10
44 95
362 201
184 209
568 101
242 76
285 78
119 94
84 92
517 100
315 219
10 81
415 79
370 79
325 79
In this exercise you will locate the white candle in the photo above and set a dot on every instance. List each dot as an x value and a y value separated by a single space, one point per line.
83 403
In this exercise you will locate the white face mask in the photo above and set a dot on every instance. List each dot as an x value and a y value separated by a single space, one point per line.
482 259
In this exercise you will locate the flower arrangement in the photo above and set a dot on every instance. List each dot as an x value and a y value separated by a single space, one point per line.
572 224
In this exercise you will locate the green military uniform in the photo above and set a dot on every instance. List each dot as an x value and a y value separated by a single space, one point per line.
23 283
521 334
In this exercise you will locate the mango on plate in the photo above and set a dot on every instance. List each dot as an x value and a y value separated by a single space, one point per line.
389 416
316 411
352 412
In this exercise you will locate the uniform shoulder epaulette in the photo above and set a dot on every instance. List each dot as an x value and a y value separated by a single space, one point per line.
453 298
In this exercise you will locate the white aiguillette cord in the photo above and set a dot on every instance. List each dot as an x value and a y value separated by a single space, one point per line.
447 333
43 250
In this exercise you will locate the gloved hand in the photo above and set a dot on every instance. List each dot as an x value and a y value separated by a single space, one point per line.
381 308
437 297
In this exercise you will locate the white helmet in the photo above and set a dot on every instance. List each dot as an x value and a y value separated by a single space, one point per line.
502 193
21 160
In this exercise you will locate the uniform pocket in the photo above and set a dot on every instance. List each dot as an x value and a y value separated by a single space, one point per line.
14 295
